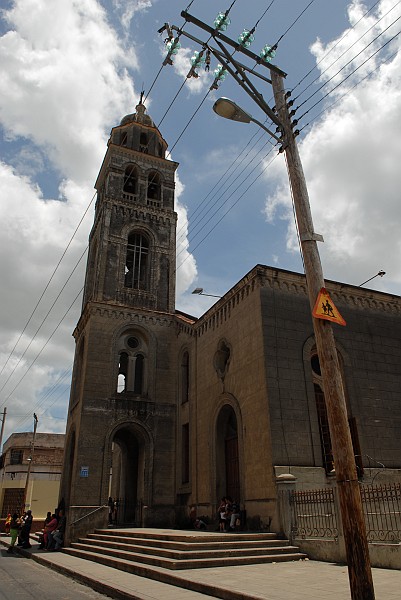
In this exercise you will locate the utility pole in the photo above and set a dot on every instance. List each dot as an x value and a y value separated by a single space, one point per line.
30 460
3 421
357 551
359 570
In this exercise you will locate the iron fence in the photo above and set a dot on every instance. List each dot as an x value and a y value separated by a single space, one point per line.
382 508
314 513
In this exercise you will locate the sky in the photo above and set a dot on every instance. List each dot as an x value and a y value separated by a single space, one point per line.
71 69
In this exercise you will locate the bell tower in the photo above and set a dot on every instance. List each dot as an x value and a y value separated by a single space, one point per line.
120 438
132 243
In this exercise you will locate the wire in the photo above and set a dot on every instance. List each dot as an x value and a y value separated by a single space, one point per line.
43 347
345 52
48 283
48 394
333 47
292 24
226 213
222 181
225 202
44 319
352 59
189 122
350 74
348 91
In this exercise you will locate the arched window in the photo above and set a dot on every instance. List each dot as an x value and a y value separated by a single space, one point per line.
143 142
130 180
153 187
324 430
185 378
136 264
122 372
138 377
132 364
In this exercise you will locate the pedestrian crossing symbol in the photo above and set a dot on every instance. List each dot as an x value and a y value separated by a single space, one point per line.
326 309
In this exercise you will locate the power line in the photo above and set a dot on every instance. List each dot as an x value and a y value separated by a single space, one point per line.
226 213
43 347
48 283
44 319
350 74
345 51
333 47
348 91
351 60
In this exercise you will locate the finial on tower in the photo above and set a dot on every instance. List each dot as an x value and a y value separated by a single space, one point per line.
140 109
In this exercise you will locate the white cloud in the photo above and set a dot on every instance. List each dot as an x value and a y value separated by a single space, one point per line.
65 82
128 9
351 158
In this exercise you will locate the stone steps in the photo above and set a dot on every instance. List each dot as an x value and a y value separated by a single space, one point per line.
178 551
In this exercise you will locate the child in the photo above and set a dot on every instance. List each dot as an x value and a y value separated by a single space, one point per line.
15 526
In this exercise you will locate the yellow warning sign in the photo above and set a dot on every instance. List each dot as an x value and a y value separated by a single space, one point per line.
326 309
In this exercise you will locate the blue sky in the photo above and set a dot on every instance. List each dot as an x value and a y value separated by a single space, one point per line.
70 70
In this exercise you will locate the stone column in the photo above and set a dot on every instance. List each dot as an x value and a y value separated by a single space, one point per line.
285 485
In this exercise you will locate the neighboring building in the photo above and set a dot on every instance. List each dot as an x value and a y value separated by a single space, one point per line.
44 477
168 411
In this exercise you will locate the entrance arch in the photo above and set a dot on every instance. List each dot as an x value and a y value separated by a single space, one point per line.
129 474
227 457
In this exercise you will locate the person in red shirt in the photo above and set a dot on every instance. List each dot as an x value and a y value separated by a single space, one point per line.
51 526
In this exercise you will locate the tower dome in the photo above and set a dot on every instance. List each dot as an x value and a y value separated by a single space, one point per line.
138 117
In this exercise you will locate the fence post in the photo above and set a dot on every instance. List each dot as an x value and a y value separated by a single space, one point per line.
285 486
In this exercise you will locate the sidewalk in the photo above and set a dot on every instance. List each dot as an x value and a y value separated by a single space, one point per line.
301 580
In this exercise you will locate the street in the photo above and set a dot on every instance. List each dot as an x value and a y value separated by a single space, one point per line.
23 579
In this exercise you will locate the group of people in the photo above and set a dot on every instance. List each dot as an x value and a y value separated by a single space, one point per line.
229 514
52 536
19 529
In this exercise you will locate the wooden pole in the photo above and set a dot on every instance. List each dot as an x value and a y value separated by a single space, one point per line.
359 569
35 424
3 422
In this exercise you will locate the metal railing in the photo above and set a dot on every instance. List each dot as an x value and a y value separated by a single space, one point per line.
314 513
89 514
382 508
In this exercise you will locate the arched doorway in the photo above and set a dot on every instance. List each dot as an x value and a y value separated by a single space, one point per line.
127 485
227 459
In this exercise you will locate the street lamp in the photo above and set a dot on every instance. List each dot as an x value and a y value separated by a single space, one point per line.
379 274
356 545
200 292
228 109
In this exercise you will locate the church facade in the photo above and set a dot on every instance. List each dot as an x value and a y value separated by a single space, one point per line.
169 412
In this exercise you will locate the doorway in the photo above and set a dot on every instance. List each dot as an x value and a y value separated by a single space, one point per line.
126 486
227 460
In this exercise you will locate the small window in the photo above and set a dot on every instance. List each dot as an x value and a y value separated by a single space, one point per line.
138 381
185 454
130 180
133 342
143 139
185 377
124 136
136 265
16 457
315 364
154 187
122 373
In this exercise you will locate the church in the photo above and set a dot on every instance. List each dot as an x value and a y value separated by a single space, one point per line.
168 413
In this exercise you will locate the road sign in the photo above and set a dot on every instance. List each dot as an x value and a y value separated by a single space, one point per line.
326 309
